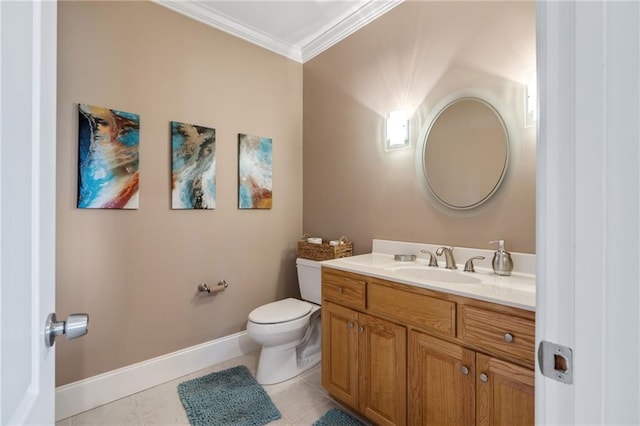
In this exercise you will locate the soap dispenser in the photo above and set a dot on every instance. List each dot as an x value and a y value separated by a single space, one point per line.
502 263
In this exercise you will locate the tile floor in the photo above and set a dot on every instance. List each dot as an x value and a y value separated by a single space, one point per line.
301 401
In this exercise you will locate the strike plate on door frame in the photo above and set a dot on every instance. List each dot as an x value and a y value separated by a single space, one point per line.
556 361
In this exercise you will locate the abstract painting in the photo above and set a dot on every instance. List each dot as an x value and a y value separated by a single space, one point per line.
107 158
254 172
193 160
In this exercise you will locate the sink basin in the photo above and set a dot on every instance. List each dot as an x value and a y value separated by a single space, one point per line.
412 270
432 274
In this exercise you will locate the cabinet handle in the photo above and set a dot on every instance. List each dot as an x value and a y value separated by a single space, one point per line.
339 290
484 377
508 337
350 324
464 370
361 329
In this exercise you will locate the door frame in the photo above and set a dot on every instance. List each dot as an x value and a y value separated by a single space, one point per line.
588 192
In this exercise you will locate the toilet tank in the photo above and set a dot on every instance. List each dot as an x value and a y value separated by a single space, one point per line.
309 279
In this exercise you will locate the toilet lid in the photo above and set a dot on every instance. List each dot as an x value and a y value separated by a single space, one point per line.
280 311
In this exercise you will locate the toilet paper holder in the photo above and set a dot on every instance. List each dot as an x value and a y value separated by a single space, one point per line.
222 285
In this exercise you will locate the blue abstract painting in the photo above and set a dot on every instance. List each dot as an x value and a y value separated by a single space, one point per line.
193 166
254 172
107 158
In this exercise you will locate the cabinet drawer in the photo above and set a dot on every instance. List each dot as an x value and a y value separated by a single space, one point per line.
428 313
498 332
344 289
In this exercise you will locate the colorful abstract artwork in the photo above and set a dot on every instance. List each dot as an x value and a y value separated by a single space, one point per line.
107 158
254 172
193 159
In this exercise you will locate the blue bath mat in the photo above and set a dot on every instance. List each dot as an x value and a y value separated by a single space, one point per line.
228 397
336 417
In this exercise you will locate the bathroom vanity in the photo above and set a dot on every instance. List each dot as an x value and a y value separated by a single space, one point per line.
405 343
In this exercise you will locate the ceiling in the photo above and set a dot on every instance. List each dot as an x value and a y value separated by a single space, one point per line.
297 29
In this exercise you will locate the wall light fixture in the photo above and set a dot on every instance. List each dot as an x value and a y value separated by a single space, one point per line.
397 130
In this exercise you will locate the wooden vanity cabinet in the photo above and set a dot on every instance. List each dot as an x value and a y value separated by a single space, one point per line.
364 363
363 357
450 384
382 353
441 382
340 353
403 355
506 397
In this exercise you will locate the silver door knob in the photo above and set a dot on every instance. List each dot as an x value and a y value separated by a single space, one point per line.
464 370
361 329
75 326
350 324
484 377
508 337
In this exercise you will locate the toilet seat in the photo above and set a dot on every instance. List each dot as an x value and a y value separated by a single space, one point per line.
281 311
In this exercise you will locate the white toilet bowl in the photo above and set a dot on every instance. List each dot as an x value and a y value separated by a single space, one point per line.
289 332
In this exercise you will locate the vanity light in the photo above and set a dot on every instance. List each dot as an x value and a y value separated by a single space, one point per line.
530 99
397 130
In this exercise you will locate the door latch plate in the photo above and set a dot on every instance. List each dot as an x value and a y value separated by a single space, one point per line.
556 361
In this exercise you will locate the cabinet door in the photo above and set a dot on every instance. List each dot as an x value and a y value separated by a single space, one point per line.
340 353
441 382
383 370
505 393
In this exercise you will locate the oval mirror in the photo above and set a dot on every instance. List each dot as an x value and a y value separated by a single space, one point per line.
465 154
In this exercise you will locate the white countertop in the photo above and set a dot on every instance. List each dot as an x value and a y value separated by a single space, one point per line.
517 290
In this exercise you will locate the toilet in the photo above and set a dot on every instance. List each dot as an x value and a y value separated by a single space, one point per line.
289 330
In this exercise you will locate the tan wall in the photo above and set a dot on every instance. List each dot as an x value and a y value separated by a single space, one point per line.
135 272
414 56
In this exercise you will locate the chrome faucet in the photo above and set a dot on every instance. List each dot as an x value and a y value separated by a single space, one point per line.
448 256
432 258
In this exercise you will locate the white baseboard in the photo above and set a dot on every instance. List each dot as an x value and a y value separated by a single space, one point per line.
86 394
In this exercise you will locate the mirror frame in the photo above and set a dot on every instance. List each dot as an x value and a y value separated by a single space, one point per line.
505 119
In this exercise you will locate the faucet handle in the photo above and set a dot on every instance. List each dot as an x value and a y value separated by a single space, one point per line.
468 266
432 258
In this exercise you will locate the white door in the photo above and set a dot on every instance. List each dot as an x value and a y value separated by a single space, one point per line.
27 209
588 209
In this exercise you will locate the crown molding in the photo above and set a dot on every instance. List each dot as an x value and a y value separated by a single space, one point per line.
347 26
313 46
196 10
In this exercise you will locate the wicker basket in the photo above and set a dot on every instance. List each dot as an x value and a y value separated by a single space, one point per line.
324 251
